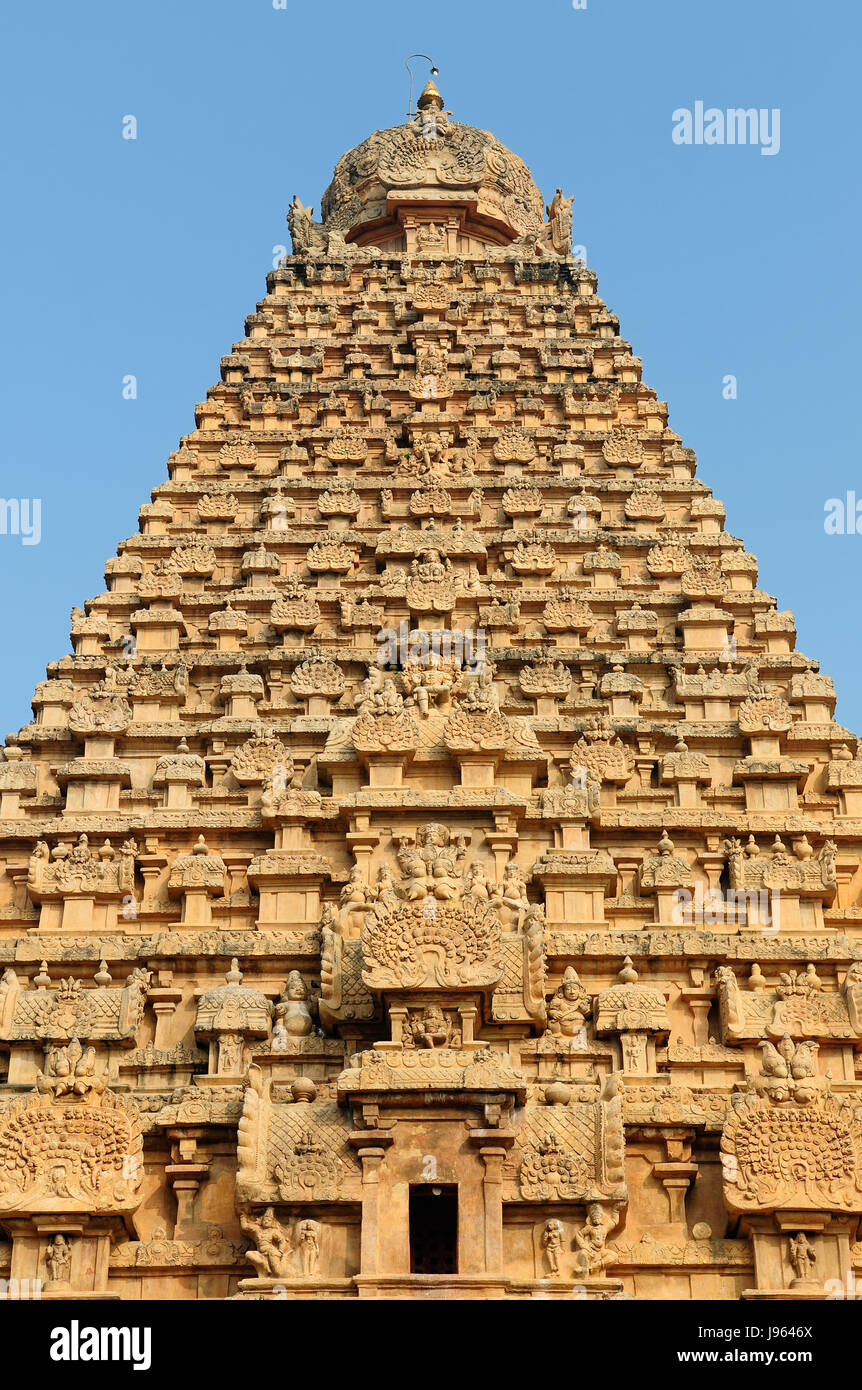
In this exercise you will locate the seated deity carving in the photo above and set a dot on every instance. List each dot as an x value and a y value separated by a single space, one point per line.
592 1256
431 455
292 1010
477 883
511 899
431 1028
384 889
431 864
428 685
479 694
570 1007
356 897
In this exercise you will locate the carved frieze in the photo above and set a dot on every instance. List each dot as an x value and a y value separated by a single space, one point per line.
432 944
68 1152
55 873
796 1004
802 1153
69 1010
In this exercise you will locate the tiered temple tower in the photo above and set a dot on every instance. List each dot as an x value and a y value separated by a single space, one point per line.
434 873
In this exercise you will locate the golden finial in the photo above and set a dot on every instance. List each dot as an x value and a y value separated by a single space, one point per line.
430 98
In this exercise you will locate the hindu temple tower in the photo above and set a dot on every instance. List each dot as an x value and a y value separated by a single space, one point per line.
433 873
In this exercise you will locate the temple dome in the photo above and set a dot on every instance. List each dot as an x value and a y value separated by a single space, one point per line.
427 163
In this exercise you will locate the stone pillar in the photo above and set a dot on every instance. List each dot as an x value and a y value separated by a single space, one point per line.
676 1178
186 1172
492 1189
371 1148
492 1145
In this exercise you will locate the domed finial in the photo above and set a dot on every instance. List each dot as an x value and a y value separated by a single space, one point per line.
628 974
430 98
102 977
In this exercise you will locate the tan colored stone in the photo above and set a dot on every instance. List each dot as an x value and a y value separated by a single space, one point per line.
434 873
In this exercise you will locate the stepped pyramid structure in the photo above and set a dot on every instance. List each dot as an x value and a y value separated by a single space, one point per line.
434 873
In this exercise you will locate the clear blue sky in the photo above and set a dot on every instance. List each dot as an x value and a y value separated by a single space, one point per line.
144 256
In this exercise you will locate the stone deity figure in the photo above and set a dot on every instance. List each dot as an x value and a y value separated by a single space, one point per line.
592 1255
431 568
477 883
431 454
384 701
552 1244
431 1028
229 1054
368 690
442 859
355 898
58 1258
570 1006
428 685
512 896
802 1259
413 871
292 1009
634 1053
271 1259
309 1247
384 888
469 456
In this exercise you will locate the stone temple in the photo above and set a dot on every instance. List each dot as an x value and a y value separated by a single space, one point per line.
435 873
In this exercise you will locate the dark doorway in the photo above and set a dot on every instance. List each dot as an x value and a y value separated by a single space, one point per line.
434 1229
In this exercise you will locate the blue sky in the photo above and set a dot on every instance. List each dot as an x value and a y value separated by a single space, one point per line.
143 257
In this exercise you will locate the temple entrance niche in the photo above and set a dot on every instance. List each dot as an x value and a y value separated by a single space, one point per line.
434 1228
